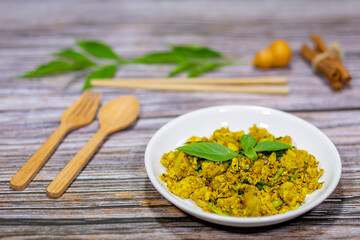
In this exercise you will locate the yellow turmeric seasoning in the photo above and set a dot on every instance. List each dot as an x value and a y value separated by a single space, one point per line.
274 183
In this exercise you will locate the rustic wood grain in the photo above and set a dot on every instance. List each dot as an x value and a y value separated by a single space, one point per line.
112 198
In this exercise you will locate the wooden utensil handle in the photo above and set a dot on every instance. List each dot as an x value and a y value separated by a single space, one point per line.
27 173
63 180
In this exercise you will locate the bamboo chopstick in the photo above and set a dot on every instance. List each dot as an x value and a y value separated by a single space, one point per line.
172 86
246 80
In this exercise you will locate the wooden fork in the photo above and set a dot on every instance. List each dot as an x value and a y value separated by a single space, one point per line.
81 113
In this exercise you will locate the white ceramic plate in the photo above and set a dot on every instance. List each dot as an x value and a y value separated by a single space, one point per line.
240 117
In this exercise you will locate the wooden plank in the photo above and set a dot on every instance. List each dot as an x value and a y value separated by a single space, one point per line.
122 203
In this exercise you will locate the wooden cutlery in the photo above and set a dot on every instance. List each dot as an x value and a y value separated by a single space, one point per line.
81 113
114 116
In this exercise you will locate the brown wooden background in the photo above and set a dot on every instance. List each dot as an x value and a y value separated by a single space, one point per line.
112 197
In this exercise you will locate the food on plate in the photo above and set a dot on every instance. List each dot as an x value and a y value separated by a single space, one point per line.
242 175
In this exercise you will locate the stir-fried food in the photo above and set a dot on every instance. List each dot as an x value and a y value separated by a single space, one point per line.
258 180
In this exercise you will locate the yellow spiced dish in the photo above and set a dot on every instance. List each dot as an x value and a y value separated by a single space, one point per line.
242 175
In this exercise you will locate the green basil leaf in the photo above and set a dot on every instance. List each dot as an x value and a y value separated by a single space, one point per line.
193 51
208 150
98 49
50 68
204 68
158 58
79 61
107 71
271 146
247 142
251 154
182 67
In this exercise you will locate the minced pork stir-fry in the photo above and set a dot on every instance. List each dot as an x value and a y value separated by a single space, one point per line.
273 183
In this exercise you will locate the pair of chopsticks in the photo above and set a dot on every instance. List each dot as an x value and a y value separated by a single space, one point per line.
235 85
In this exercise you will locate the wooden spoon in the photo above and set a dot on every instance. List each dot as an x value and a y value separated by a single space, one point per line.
114 116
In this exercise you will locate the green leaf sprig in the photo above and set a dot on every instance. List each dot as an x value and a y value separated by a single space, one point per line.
217 152
250 147
248 143
193 59
208 150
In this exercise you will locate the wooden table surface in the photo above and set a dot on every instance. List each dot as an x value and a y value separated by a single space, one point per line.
113 197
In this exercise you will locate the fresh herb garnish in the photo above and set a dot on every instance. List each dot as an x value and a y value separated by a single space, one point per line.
250 147
78 60
98 49
208 150
195 60
181 67
53 67
195 51
247 143
204 68
216 152
158 58
107 71
271 146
